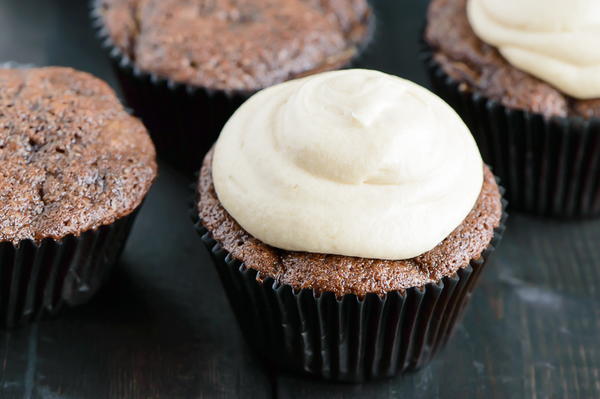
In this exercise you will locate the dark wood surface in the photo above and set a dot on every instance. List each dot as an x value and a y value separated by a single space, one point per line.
161 328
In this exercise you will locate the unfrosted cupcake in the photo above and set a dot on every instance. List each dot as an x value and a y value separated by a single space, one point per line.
524 77
74 169
185 66
349 215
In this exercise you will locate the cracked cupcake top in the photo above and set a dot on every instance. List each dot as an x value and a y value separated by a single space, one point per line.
71 158
236 44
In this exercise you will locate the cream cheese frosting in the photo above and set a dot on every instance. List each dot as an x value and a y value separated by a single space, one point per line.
554 40
355 162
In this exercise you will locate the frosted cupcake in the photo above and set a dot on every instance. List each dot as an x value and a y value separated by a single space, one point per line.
349 215
524 75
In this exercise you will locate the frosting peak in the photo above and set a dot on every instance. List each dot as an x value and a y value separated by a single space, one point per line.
354 162
355 130
554 40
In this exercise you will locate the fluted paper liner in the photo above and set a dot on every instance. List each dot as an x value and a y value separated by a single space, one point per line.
38 279
549 166
346 338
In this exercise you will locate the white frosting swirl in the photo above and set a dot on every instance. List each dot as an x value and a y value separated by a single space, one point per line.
554 40
355 163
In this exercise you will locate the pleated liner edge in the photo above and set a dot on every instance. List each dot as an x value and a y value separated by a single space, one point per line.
347 339
549 166
39 279
183 120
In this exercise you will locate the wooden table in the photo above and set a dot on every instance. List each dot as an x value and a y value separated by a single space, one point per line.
162 327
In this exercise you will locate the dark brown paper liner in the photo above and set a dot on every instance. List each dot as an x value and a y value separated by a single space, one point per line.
183 120
549 166
349 339
38 279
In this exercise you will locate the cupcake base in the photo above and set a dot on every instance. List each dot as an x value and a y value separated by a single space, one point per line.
549 166
346 338
184 120
38 279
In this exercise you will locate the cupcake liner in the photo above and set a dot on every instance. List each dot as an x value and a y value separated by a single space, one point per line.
346 338
38 279
183 120
549 166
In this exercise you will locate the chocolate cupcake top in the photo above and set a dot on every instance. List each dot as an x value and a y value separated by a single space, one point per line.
380 188
482 68
345 274
236 45
71 158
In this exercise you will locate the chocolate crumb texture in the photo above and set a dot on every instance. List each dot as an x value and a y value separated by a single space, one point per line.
481 68
71 158
236 45
351 275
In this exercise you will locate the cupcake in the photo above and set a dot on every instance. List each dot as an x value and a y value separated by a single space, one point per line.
185 66
349 215
524 77
74 169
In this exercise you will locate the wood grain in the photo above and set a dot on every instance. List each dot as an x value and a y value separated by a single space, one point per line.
162 328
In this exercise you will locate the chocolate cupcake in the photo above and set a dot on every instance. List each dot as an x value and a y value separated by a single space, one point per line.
525 82
348 247
74 169
185 66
